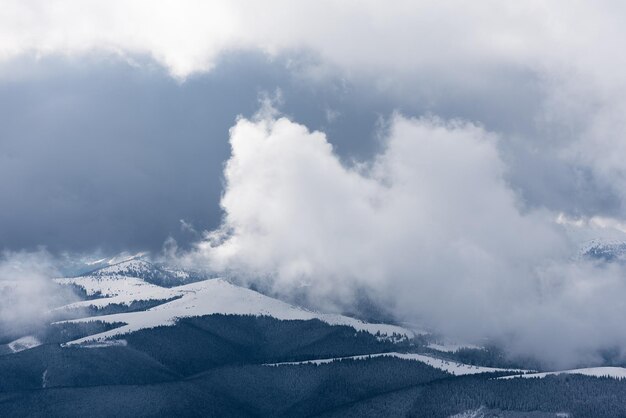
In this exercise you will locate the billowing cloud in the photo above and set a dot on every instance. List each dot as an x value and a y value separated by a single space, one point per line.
429 229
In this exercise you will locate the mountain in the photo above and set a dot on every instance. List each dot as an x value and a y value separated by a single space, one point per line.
214 296
134 281
140 268
150 340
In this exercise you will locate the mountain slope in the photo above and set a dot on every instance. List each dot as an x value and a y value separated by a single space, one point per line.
207 348
215 296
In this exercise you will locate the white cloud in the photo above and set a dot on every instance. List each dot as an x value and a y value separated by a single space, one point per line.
400 36
429 229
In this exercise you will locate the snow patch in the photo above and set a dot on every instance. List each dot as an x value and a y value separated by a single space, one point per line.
180 274
613 372
452 367
117 289
105 344
24 343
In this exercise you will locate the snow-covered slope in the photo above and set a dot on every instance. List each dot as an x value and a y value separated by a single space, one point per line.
116 289
139 268
114 285
615 372
452 367
215 296
126 282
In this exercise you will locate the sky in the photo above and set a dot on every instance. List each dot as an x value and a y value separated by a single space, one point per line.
445 159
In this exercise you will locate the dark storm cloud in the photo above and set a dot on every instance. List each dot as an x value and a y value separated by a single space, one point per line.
97 153
108 155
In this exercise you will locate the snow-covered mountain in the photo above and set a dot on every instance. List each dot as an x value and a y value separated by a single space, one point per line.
137 266
133 281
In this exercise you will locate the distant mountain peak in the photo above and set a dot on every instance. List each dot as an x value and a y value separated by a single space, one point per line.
140 267
604 250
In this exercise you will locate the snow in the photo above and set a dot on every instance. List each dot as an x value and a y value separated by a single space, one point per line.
123 283
452 347
117 289
614 372
24 343
136 266
106 344
452 367
601 243
474 413
180 274
214 296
